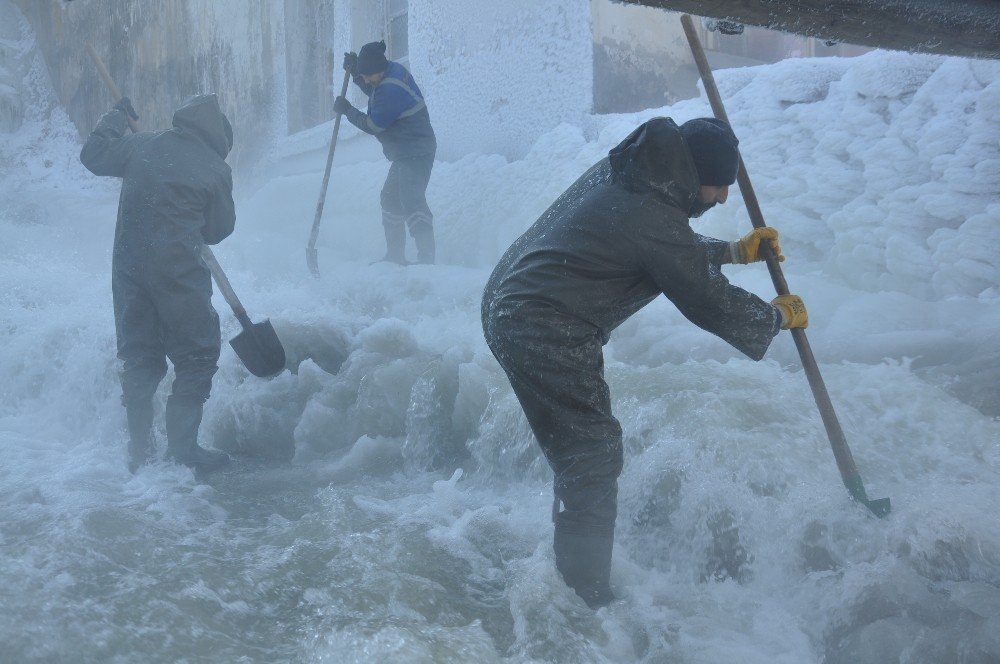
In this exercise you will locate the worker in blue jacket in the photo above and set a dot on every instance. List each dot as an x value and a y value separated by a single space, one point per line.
397 116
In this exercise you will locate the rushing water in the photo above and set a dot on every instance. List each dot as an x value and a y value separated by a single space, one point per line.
388 503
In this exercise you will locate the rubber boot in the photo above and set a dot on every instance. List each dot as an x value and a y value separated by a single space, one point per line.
583 557
140 436
423 236
183 419
395 243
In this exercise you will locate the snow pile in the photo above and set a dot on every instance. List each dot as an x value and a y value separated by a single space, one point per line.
898 168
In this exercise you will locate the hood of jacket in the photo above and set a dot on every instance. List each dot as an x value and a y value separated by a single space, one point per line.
656 159
202 116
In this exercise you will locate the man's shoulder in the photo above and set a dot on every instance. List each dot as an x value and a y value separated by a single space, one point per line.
399 76
186 151
396 70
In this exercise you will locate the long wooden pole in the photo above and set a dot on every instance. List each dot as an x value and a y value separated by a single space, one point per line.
838 442
312 259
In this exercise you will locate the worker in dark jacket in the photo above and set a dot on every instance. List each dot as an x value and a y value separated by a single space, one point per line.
397 116
609 245
177 194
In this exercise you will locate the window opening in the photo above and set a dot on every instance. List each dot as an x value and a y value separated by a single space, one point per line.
397 31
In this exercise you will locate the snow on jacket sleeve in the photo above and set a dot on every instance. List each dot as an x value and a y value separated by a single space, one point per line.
108 148
220 214
687 268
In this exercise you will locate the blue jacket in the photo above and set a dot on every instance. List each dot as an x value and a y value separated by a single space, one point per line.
397 115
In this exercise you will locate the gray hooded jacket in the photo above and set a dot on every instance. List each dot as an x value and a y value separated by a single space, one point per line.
177 194
177 190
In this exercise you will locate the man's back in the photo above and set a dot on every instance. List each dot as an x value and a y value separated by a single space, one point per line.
397 107
580 259
176 186
617 238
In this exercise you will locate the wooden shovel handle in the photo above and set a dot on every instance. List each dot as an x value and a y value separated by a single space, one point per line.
222 281
314 233
108 81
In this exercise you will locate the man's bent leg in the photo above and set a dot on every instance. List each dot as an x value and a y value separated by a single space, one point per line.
562 391
394 227
393 218
415 173
422 231
586 485
139 382
185 406
193 343
140 349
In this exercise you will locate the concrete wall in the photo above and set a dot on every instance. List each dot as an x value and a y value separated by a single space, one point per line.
641 58
160 53
499 74
310 63
496 75
13 67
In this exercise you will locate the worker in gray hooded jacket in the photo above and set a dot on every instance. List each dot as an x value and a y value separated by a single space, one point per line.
177 194
609 245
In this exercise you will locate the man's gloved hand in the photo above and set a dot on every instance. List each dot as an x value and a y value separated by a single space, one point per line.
747 249
341 105
125 106
793 311
350 61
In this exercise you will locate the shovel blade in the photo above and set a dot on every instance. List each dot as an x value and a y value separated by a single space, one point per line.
879 507
260 350
312 260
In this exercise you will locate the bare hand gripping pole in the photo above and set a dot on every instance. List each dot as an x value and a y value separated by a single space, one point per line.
841 452
312 259
257 346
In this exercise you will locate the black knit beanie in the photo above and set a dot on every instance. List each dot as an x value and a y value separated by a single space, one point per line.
371 59
713 148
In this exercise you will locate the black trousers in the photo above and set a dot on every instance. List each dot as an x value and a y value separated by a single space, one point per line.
404 194
559 380
165 311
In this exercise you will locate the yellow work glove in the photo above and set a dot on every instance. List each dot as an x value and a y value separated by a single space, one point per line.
793 311
747 249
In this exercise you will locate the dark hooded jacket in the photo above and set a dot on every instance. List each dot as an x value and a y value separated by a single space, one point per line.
615 240
177 194
177 190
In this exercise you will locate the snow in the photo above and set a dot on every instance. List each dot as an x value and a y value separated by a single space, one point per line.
412 522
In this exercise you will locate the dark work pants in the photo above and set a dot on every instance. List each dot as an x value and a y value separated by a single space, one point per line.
559 381
404 195
166 313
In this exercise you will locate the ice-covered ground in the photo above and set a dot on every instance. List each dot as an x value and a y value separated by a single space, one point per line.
411 524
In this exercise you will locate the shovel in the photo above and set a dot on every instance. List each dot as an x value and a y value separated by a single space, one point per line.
257 345
311 257
838 442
